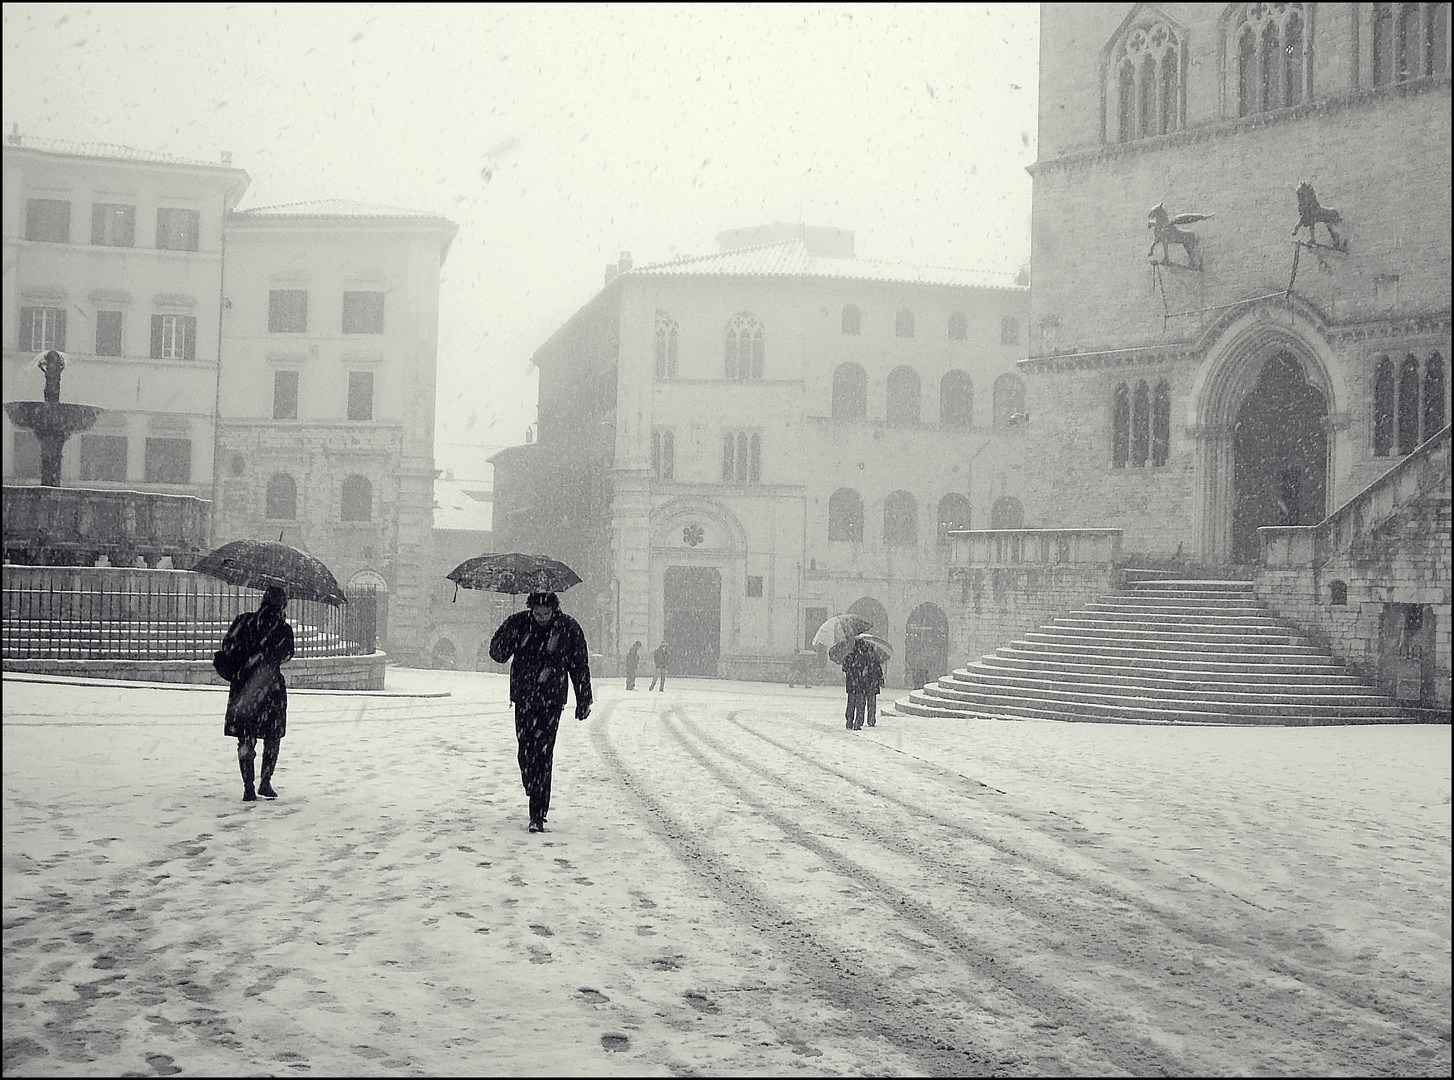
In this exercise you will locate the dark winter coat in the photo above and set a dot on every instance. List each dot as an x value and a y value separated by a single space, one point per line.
862 672
257 702
543 657
662 656
633 658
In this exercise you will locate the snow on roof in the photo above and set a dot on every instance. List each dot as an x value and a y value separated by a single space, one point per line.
792 258
336 208
458 506
114 151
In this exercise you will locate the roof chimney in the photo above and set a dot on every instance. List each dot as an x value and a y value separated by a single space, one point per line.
625 262
227 157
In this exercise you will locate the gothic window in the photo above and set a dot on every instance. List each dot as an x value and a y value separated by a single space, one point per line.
1383 408
904 323
1268 48
901 519
1408 405
1161 425
282 501
1009 400
956 400
953 514
666 346
1382 44
1140 424
958 326
744 347
1121 427
741 457
851 320
1009 331
1145 91
903 396
850 392
1007 513
358 499
664 453
1409 41
845 515
1433 396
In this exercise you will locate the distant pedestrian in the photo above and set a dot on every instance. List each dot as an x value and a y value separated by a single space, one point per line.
633 659
662 656
863 677
253 650
547 646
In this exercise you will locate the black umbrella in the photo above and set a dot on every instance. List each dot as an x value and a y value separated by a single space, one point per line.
256 564
514 573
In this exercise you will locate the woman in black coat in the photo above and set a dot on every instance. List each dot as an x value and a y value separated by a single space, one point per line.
257 644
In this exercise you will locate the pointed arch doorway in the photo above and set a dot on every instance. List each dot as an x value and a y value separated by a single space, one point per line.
1279 455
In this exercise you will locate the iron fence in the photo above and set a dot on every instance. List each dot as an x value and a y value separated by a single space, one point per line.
162 616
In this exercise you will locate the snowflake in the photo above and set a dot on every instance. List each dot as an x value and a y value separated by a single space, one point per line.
693 535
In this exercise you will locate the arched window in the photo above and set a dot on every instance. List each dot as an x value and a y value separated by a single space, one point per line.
1408 405
1266 48
745 347
1161 425
282 498
1436 41
1338 593
1009 400
1121 427
901 519
444 655
903 396
1007 513
358 499
1144 92
953 514
845 515
666 346
958 326
741 457
904 323
664 454
1140 424
1382 44
850 392
851 320
1433 396
1009 330
1383 408
956 400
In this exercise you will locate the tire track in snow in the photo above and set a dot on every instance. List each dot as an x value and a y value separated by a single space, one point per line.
1261 1001
909 1024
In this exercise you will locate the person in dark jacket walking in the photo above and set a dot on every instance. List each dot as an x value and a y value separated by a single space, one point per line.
662 657
863 677
633 659
256 645
547 646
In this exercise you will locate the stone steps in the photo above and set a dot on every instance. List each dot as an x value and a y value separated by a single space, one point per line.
1163 650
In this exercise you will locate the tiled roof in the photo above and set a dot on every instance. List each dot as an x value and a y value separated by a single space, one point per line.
454 508
107 150
791 258
336 208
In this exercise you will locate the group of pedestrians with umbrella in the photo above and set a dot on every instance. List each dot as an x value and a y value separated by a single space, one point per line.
861 656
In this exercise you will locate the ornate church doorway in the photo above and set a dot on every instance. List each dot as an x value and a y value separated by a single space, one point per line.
692 604
1280 455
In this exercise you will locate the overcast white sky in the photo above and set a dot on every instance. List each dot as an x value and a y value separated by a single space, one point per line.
558 136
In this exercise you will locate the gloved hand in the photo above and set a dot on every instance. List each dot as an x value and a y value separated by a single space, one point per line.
582 711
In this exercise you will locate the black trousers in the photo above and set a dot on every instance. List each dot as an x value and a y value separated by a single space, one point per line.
536 726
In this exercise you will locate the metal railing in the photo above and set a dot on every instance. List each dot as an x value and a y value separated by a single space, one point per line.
159 615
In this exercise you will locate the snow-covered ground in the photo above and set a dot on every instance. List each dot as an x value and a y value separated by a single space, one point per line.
731 883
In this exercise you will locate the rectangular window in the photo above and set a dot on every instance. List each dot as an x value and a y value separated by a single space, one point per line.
285 395
174 337
754 585
363 313
27 455
103 457
113 225
48 220
168 461
287 311
42 328
108 333
664 454
177 230
360 395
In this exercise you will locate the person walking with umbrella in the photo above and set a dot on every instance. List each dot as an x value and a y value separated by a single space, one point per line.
863 676
662 657
547 647
633 660
253 650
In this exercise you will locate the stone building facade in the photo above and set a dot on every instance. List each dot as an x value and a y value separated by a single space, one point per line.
734 447
327 393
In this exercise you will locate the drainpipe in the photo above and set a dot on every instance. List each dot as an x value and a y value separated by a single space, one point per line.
217 391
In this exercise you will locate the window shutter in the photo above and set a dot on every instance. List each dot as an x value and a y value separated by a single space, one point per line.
27 329
156 337
189 348
98 224
61 329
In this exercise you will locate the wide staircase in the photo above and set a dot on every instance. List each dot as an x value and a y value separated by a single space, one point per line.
1162 650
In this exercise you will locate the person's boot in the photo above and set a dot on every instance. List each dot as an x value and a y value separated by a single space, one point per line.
270 762
248 794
